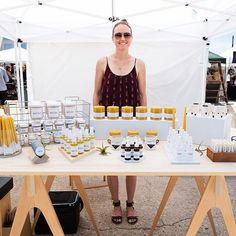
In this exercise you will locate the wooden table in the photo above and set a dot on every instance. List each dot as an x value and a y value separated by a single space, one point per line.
155 163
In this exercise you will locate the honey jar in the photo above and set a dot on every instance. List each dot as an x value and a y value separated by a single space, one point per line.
169 113
156 113
112 112
141 113
99 112
133 133
115 138
127 112
151 139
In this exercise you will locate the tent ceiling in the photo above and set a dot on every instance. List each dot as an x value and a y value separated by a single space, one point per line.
79 20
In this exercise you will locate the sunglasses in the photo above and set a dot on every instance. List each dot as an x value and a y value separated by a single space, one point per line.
119 35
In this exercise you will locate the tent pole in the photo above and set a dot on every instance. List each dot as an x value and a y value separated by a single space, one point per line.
17 74
21 76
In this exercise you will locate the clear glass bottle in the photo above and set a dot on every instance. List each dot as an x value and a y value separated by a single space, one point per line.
92 137
80 143
86 140
74 148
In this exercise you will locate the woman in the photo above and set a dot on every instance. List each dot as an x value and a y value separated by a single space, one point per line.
120 80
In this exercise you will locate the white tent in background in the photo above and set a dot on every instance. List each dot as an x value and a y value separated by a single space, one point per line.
228 54
9 56
65 38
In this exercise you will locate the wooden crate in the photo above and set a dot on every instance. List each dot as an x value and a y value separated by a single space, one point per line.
221 156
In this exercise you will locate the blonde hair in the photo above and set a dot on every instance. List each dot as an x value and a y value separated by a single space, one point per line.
121 22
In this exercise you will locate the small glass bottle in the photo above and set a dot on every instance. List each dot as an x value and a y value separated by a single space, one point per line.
99 112
141 113
136 154
127 152
68 142
80 143
74 148
113 112
140 149
127 112
92 137
86 141
123 148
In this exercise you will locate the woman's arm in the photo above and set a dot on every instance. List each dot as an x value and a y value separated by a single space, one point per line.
99 74
142 81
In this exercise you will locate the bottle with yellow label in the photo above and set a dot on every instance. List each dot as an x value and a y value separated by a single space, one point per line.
156 113
74 148
113 112
80 143
141 113
92 137
99 112
86 140
127 112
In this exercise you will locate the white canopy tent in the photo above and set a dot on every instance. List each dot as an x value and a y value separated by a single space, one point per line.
66 37
9 56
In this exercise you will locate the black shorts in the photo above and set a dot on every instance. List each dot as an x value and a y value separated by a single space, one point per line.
3 97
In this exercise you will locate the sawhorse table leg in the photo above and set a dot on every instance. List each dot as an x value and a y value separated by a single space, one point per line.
38 197
168 191
215 196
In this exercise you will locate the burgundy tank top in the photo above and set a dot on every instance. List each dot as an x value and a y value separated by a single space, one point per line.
120 90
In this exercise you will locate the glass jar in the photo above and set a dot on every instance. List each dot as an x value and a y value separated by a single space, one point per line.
156 113
115 138
141 113
48 125
36 126
127 112
45 138
59 124
57 136
23 128
99 112
169 113
112 112
70 123
150 139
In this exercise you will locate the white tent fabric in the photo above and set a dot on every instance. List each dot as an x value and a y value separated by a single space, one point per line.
9 56
174 70
66 37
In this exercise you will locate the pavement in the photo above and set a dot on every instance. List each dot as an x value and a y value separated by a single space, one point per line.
173 222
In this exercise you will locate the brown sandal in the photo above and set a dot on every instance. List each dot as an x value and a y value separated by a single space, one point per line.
116 219
131 219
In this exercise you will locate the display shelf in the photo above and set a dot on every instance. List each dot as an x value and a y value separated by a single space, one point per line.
103 126
80 156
